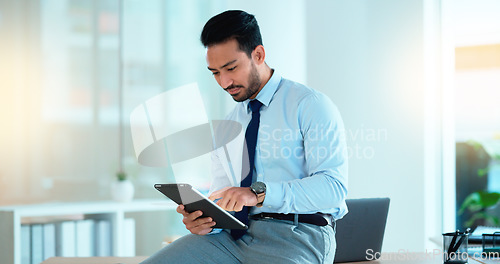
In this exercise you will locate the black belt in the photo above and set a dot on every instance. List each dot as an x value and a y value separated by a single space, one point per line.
318 219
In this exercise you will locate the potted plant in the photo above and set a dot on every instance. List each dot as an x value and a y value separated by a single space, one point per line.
481 203
122 188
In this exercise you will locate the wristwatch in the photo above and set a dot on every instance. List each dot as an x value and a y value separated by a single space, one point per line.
259 188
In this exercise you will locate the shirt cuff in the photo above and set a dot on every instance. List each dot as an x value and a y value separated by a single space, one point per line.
274 197
215 231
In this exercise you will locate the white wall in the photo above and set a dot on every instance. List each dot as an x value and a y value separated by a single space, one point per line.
476 22
368 57
282 25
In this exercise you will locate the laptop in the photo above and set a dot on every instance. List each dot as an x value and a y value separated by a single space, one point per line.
361 232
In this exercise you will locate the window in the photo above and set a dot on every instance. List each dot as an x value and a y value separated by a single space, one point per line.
60 100
477 112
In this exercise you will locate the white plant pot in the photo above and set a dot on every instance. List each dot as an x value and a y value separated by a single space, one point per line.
122 191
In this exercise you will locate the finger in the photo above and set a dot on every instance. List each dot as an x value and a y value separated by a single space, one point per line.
218 194
194 215
190 218
231 205
180 210
223 202
200 224
203 229
197 222
238 206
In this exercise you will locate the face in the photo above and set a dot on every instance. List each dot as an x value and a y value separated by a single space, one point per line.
233 70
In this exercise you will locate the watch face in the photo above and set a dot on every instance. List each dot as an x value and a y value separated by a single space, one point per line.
258 187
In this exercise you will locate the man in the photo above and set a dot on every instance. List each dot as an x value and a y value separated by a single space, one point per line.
293 166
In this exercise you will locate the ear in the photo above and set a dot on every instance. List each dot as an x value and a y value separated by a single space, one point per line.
259 55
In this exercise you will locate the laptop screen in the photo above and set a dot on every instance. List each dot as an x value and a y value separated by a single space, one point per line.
361 232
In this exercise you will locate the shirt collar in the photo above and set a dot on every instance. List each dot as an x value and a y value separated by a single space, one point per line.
265 96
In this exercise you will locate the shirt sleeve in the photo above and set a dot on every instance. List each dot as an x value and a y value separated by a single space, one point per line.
225 134
325 186
219 177
215 231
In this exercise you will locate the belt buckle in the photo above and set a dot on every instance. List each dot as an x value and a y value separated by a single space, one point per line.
263 216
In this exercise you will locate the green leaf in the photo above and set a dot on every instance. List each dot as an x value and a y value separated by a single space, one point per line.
483 172
471 202
489 199
492 220
474 218
474 144
478 201
121 175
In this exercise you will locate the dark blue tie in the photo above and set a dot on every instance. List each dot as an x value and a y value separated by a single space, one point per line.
248 159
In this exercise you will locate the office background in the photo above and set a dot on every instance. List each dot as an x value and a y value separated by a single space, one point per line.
388 65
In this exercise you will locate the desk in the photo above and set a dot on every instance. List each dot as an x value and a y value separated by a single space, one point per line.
417 258
94 260
136 260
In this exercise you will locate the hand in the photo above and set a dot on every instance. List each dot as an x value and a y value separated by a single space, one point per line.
234 198
196 225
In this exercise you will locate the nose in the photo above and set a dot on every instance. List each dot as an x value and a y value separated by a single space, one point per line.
225 80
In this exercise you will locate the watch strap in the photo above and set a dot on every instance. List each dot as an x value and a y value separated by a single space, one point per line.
260 199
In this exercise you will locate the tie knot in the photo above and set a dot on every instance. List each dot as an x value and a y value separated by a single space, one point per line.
255 105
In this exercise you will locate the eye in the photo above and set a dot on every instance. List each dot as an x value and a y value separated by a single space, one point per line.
215 73
231 69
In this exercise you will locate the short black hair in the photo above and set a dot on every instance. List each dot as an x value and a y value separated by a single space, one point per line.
230 24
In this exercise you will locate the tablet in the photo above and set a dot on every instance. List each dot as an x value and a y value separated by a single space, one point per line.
193 200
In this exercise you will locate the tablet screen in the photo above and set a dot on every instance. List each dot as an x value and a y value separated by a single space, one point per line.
193 200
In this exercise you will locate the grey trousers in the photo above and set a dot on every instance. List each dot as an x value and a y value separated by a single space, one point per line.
267 241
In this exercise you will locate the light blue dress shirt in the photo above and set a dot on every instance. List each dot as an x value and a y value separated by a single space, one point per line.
301 152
